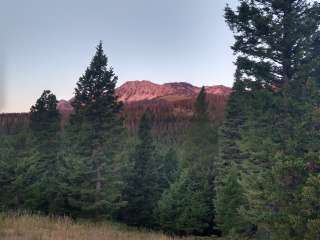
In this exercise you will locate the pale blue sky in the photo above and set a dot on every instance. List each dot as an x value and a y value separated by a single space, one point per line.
47 44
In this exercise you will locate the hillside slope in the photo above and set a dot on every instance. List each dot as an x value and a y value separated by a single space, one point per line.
135 91
171 104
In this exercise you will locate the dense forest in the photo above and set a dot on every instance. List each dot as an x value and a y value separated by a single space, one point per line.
254 175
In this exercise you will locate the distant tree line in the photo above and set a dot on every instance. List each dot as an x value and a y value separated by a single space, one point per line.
12 123
256 176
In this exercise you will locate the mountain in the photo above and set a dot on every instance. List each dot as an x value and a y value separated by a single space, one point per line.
143 91
171 104
134 91
64 106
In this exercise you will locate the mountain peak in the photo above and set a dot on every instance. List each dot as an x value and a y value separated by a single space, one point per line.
144 90
134 91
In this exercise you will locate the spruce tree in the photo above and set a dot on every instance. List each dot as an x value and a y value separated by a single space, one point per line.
274 44
187 207
230 197
42 166
272 39
230 132
7 171
143 188
310 205
200 158
184 208
169 169
94 138
14 155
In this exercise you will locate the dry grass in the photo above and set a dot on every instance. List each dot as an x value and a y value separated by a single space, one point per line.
27 227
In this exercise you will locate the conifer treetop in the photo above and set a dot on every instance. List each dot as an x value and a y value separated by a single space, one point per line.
96 87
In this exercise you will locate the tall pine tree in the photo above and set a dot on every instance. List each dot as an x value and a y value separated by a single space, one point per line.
42 166
274 44
94 138
273 39
143 188
187 207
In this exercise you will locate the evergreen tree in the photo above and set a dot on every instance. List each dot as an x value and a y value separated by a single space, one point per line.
184 208
274 44
42 166
187 207
230 133
143 188
275 171
310 204
14 151
273 56
275 207
169 170
94 138
230 197
230 161
7 171
273 39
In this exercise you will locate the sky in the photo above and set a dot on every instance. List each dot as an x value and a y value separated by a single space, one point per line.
47 44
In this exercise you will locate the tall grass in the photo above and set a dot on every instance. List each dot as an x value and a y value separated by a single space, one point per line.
34 227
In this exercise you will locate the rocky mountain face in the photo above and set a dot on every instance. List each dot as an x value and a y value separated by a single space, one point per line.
134 91
171 104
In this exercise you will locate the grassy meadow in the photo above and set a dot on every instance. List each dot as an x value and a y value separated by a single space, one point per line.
34 227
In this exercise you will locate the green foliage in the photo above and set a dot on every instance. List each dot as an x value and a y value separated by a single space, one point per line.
19 146
7 171
94 139
169 170
201 107
44 116
230 132
273 205
184 208
276 71
95 91
273 199
310 205
29 161
273 39
258 177
143 185
41 177
230 197
187 207
229 194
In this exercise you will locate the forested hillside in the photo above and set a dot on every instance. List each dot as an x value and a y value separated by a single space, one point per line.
251 171
172 105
